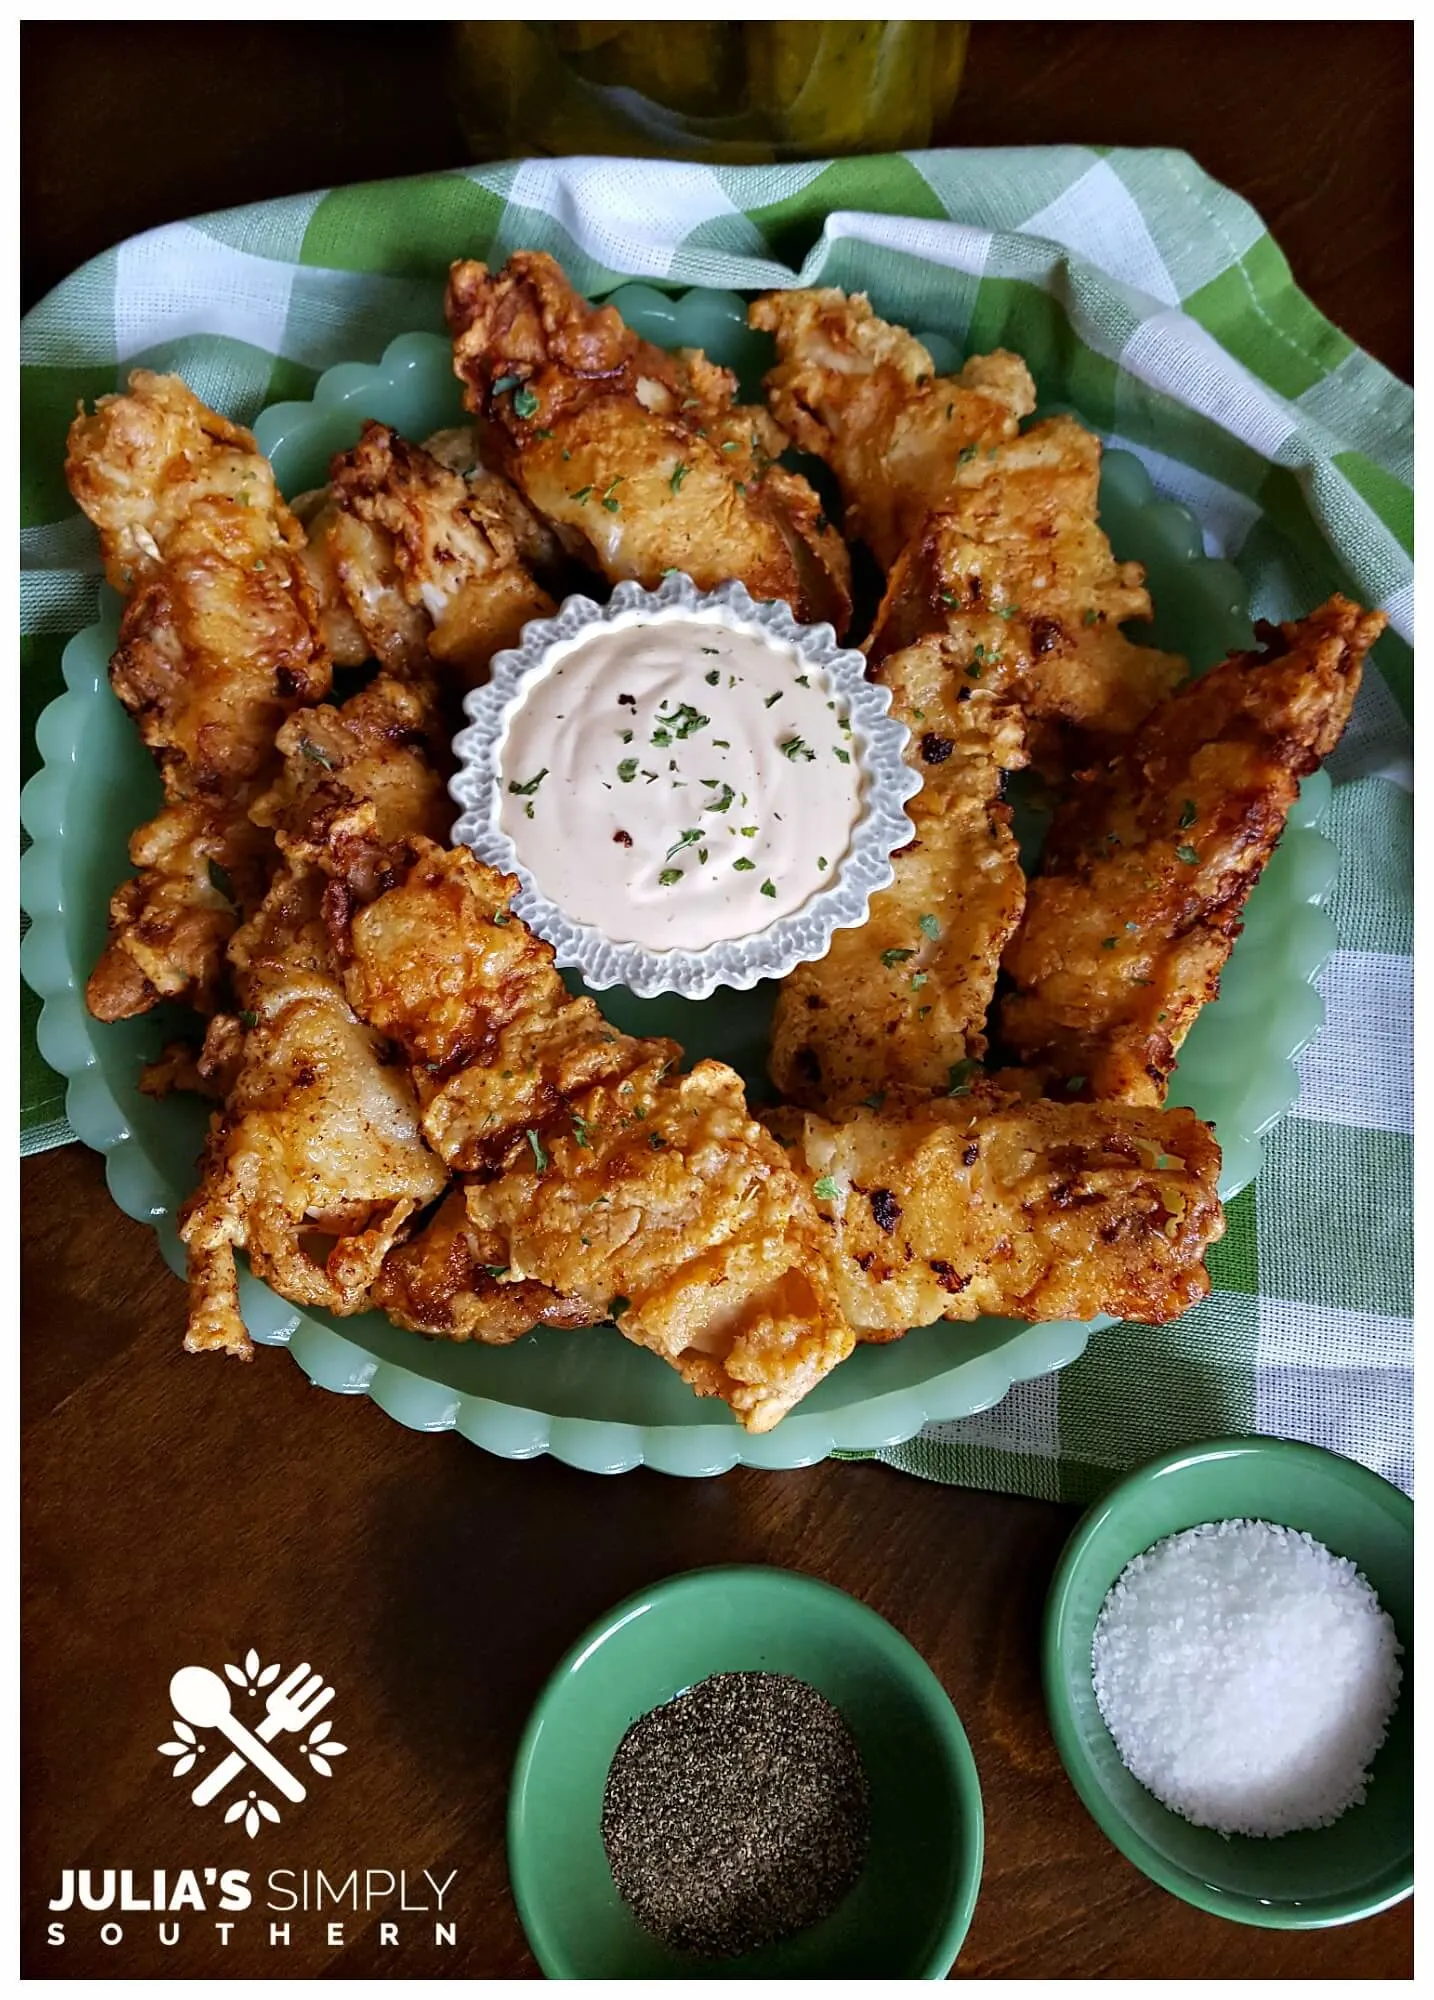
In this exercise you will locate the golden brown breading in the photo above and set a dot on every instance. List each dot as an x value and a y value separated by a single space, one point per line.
639 459
985 1204
316 1162
357 780
865 397
899 1001
1018 572
218 644
1152 855
450 1280
425 562
599 1174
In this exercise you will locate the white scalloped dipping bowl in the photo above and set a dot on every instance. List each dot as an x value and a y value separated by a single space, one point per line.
591 1398
877 741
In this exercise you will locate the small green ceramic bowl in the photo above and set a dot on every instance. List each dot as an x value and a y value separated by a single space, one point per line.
1301 1881
909 1911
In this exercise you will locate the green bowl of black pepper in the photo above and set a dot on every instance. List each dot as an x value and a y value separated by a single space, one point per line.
744 1773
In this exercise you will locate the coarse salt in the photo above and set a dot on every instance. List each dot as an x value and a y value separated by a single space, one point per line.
1247 1676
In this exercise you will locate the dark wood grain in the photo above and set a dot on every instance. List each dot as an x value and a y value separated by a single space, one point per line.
177 1508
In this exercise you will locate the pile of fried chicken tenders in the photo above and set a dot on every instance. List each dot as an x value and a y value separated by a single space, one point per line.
413 1114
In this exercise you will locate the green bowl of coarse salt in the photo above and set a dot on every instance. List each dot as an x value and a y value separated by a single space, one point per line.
748 1818
1273 1616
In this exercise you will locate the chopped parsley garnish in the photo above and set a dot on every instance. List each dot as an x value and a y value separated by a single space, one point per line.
826 1189
731 444
543 434
712 676
1088 616
607 499
496 1270
1075 1083
617 1306
248 1019
958 1078
742 864
662 738
687 720
822 863
794 747
1107 944
580 1130
898 954
540 1158
802 681
582 495
918 980
842 756
527 791
949 597
525 403
219 878
679 473
876 1100
1008 611
668 876
687 838
502 918
627 770
1188 813
929 926
966 454
769 888
314 754
504 383
771 698
722 804
748 832
821 524
1187 854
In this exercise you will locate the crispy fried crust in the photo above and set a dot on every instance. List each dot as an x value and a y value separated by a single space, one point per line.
357 780
316 1162
449 1280
1152 855
985 1204
899 1001
598 1174
639 459
424 562
218 643
865 397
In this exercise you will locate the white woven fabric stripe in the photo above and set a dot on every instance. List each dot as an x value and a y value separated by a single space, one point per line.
955 244
1360 1070
1175 355
179 280
1344 1380
620 212
1098 219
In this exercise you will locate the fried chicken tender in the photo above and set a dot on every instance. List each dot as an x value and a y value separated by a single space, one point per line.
901 1001
416 563
999 638
865 397
218 643
449 1280
987 1204
640 459
316 1163
1153 853
357 780
599 1174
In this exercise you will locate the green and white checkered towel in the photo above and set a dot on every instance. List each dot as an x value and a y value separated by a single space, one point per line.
1155 301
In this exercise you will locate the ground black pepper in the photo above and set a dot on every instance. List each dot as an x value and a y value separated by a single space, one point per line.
735 1814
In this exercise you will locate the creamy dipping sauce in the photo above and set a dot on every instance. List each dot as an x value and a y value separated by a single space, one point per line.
675 783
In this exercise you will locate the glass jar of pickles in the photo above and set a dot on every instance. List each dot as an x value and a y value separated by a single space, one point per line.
705 90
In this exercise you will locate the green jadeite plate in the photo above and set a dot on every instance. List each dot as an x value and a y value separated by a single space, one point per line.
590 1397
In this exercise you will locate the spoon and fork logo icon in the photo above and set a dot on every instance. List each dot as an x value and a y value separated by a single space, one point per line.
204 1702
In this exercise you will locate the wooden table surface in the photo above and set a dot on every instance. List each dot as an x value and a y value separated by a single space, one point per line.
178 1509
